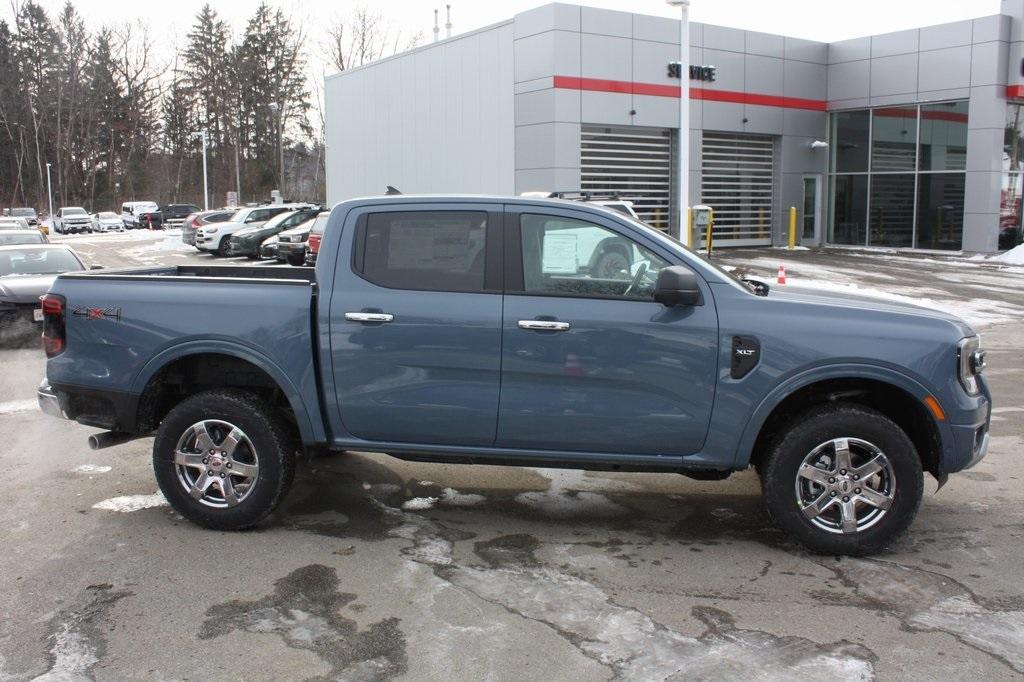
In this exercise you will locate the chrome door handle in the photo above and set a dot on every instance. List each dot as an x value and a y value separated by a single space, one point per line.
369 317
544 325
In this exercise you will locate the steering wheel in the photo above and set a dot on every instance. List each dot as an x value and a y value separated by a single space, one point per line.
640 272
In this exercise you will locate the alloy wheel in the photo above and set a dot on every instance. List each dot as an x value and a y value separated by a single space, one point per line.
216 463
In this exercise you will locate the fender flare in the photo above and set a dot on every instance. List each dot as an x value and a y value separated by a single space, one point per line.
307 429
745 447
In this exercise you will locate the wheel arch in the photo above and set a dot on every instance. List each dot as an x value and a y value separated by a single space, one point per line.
236 366
892 393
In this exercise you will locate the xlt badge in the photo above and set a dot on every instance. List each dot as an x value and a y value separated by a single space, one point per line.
746 353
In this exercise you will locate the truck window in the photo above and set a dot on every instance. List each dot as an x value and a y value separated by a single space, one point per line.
567 257
424 250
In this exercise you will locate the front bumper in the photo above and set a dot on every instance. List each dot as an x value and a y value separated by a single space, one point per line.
49 403
236 247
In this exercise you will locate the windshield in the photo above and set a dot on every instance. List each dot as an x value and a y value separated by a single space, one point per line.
732 277
74 210
240 215
320 224
24 237
14 262
23 212
107 215
278 219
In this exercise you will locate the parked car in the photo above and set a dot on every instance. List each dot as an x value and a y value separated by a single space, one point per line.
26 273
193 222
292 244
15 224
10 237
1009 237
316 233
406 339
215 238
29 214
107 221
132 213
173 215
246 242
72 219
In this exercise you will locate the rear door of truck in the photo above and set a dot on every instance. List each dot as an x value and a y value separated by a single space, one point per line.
415 323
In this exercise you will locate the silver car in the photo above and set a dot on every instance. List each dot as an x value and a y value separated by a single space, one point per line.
26 273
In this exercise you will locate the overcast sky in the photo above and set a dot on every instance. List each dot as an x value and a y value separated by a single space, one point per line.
816 19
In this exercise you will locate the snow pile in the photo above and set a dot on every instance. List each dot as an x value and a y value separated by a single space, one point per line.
130 503
419 503
453 498
1014 256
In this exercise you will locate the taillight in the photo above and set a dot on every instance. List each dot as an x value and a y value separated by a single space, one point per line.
314 243
53 324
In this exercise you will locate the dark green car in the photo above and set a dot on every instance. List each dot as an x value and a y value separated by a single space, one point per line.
246 242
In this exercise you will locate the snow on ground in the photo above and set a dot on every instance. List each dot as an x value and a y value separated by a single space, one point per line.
91 469
451 497
130 503
419 503
15 406
980 310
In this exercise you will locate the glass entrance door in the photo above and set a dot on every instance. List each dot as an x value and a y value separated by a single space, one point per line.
810 234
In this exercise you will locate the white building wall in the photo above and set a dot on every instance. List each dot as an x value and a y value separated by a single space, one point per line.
439 118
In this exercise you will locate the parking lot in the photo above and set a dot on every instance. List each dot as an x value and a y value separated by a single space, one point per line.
376 568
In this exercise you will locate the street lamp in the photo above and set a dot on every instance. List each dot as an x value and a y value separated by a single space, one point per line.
49 191
684 118
278 110
206 190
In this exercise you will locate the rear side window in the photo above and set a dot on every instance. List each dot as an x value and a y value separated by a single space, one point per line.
424 250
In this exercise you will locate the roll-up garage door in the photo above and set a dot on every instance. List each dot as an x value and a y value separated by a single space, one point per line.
737 178
633 163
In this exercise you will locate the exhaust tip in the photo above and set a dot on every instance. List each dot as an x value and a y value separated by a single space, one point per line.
94 443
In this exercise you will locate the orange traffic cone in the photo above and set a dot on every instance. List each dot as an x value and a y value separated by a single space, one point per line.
781 279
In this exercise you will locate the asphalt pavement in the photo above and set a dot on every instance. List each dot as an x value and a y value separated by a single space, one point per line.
378 569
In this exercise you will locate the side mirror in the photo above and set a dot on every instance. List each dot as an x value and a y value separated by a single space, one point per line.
677 285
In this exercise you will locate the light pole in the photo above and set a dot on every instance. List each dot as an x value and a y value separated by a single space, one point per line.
49 191
206 189
683 170
278 109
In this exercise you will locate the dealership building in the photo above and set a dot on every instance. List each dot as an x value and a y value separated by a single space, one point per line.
909 139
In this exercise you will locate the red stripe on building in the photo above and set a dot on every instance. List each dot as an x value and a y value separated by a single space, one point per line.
1013 91
627 87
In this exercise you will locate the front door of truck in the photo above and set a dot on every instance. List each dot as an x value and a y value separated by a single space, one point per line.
415 321
590 362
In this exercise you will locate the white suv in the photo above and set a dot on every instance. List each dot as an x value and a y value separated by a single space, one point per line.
131 210
215 237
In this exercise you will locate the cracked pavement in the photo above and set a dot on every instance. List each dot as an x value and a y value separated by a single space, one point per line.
380 569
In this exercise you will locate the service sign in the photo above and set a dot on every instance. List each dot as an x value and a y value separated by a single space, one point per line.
698 72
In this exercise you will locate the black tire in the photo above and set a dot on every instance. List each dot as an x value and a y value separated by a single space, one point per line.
270 437
296 260
807 432
611 264
221 248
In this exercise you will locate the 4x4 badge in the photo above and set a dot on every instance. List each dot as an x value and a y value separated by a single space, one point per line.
96 313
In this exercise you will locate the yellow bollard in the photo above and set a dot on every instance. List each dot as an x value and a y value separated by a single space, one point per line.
707 238
689 229
792 227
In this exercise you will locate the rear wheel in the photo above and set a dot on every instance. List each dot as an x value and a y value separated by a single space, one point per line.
844 479
296 260
224 459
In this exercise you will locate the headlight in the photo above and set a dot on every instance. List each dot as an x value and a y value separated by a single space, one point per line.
970 363
209 230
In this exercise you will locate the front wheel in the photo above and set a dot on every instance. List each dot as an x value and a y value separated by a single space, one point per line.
224 459
296 260
844 479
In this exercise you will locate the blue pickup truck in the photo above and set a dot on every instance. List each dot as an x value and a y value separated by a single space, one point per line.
512 331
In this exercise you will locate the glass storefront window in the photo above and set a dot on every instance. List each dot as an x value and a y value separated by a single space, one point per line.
943 137
894 139
1013 143
940 210
892 210
849 209
849 144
